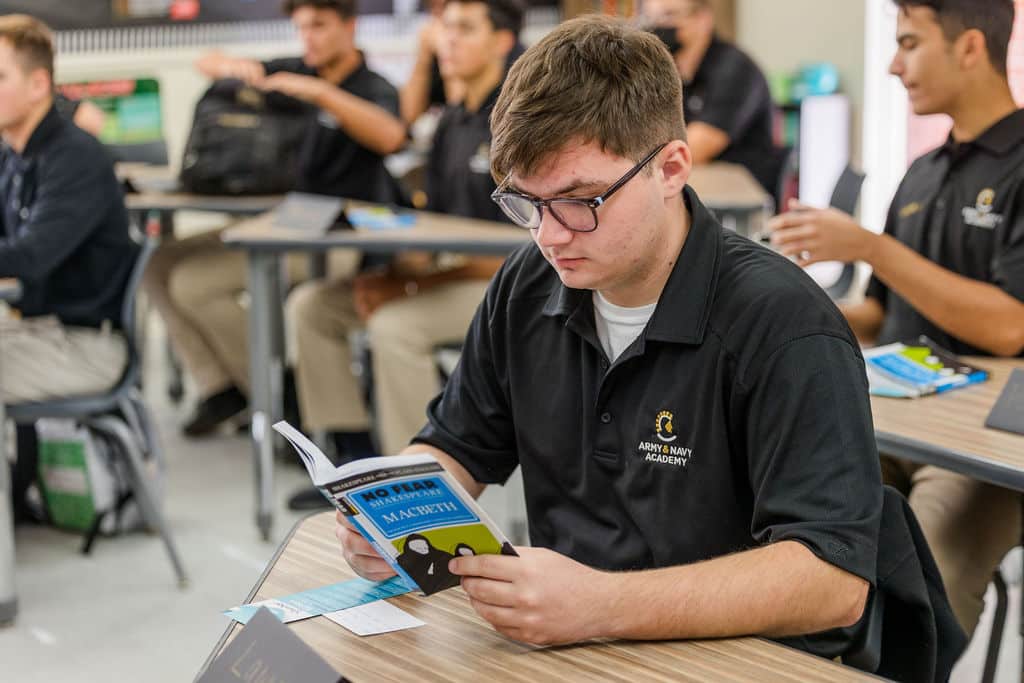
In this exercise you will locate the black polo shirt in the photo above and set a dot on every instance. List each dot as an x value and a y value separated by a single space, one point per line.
63 225
459 178
961 206
330 161
730 93
739 417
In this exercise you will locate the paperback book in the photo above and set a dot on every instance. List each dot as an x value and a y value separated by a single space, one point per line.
413 512
917 369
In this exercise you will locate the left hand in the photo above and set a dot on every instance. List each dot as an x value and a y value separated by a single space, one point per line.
306 88
540 597
813 235
372 290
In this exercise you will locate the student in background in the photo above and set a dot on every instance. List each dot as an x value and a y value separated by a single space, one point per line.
83 113
63 234
951 261
431 82
727 104
196 283
656 378
419 302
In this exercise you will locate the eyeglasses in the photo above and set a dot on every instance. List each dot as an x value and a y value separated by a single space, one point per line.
578 215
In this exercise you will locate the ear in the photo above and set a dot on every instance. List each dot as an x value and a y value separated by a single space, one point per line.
40 83
971 49
674 167
504 41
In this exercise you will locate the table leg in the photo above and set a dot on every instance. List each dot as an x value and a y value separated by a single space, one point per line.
8 593
265 333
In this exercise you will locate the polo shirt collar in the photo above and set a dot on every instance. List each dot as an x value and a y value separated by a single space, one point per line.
684 306
1001 137
47 128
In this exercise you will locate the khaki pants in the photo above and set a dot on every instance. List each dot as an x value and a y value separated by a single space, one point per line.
403 336
196 284
42 359
969 526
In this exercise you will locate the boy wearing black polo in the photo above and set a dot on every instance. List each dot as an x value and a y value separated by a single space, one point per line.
353 123
950 263
727 104
688 410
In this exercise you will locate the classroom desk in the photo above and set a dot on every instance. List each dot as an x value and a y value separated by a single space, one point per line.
733 194
456 644
948 430
265 243
10 290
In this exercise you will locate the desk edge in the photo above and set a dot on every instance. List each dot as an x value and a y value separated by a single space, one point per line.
924 453
255 589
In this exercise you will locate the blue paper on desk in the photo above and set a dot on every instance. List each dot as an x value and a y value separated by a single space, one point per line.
379 218
317 601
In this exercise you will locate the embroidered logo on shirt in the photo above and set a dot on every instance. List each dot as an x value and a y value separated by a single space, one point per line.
910 209
660 451
980 215
481 161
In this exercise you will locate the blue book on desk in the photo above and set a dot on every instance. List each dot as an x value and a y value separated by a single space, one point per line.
918 368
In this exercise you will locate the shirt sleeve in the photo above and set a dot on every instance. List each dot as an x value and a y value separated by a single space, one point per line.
735 97
812 460
1008 259
471 420
71 200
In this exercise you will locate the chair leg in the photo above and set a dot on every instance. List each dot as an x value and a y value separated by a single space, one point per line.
143 493
995 639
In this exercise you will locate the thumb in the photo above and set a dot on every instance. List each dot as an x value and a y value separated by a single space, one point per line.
797 205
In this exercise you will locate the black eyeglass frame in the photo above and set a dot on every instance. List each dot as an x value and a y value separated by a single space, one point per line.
593 203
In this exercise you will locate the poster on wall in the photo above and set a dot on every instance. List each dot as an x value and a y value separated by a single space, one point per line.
64 15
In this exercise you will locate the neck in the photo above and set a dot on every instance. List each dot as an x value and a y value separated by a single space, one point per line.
340 68
482 85
662 257
18 134
689 58
980 107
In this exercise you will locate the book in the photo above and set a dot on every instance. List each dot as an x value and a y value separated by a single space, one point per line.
918 368
413 512
380 218
1008 412
311 213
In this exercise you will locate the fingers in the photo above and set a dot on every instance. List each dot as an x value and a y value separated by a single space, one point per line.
497 567
782 238
360 555
495 593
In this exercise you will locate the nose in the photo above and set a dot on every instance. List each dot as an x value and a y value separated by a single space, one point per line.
896 65
551 233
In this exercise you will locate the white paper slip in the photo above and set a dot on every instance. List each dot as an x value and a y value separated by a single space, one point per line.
373 618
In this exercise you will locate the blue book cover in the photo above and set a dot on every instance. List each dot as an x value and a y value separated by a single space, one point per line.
415 514
913 369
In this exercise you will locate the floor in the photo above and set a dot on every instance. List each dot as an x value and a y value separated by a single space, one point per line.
118 615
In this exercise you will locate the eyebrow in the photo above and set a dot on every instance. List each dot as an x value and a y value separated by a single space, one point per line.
575 186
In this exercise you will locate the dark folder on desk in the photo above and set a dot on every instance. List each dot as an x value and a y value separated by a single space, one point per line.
312 213
267 650
1008 412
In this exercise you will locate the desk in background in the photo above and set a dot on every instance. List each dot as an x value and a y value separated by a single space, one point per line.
733 195
10 290
265 244
457 645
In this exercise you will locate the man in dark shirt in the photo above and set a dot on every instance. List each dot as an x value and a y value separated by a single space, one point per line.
951 261
196 283
689 412
727 105
64 232
419 302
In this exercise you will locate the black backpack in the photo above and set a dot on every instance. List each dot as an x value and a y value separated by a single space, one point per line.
244 141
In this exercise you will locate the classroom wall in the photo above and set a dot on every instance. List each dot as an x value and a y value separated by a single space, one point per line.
781 35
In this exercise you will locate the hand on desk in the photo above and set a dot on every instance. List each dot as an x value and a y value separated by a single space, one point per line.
812 235
540 597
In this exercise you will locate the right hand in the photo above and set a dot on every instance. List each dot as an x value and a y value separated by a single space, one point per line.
247 70
359 554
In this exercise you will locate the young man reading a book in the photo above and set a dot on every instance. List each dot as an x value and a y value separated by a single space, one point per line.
950 264
689 410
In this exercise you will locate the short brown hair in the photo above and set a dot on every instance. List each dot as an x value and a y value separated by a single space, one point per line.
592 79
346 9
993 18
31 39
